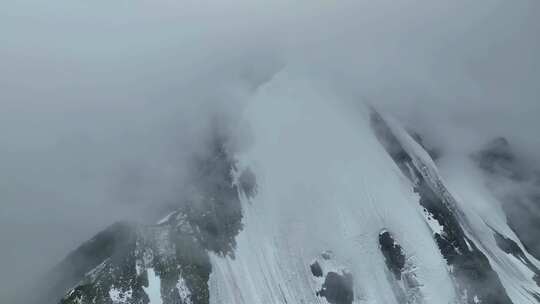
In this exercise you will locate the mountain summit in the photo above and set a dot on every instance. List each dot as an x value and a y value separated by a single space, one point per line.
353 213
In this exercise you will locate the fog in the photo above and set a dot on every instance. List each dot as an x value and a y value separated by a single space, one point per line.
103 103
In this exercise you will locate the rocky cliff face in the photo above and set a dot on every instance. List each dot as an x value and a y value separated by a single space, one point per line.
130 263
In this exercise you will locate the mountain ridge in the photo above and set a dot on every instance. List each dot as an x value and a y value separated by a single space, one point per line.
228 245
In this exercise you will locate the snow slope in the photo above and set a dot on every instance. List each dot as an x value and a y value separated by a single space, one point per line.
334 203
325 184
482 218
153 291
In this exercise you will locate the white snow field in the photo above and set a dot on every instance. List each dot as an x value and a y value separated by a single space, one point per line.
153 291
326 183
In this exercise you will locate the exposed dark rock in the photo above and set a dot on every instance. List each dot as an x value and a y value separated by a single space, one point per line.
316 269
216 211
402 274
474 276
171 256
247 182
472 270
509 246
393 254
176 249
112 243
338 288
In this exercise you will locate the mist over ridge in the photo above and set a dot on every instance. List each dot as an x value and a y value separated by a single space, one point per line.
103 105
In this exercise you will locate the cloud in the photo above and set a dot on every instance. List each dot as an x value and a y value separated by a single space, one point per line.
102 102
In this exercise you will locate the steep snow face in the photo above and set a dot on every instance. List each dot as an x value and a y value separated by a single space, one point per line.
325 184
491 266
153 291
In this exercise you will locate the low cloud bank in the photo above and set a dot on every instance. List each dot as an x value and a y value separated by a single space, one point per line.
103 103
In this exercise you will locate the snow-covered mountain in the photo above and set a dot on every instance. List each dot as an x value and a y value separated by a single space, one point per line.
329 204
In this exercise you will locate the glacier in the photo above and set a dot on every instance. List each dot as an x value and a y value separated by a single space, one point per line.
327 184
332 202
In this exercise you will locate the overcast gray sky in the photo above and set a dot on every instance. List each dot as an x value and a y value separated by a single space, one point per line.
102 102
